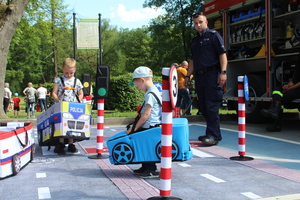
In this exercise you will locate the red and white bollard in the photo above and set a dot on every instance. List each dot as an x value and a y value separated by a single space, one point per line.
100 130
166 140
241 122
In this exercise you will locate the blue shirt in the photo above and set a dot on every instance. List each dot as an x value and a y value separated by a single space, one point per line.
206 49
156 111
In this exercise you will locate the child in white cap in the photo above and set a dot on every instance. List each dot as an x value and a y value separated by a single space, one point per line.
151 112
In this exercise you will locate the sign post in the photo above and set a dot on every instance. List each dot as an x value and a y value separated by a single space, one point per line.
169 99
243 95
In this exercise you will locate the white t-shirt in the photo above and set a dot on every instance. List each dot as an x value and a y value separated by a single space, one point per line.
68 94
41 93
6 91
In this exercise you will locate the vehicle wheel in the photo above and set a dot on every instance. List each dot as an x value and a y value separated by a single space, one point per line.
175 150
122 153
32 152
51 130
16 164
40 137
257 87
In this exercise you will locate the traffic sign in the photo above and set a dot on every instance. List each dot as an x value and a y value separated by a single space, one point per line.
246 88
173 80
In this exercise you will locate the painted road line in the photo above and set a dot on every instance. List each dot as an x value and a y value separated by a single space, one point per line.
284 197
41 175
201 154
44 193
251 195
113 129
212 178
277 159
184 165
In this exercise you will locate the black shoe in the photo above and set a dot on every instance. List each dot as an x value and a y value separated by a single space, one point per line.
210 141
200 138
274 128
272 112
72 148
140 170
59 148
149 174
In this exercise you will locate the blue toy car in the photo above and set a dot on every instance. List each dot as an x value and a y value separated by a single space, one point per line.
145 146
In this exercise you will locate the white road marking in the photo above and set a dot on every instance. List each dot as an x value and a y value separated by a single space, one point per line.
113 129
41 175
251 195
212 178
201 154
184 165
44 193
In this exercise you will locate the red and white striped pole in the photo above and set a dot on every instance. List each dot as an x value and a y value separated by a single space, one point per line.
241 122
166 139
100 130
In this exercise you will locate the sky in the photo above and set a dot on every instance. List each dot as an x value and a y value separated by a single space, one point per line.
121 13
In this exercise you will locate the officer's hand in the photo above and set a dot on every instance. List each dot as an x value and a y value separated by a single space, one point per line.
222 79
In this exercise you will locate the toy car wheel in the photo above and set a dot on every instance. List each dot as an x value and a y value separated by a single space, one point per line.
175 150
122 153
51 129
40 137
32 152
16 164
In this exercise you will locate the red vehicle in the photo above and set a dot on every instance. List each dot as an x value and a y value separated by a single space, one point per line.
262 43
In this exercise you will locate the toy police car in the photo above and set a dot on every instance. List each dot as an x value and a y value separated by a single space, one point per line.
145 146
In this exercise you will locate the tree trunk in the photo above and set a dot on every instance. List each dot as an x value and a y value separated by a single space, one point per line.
10 16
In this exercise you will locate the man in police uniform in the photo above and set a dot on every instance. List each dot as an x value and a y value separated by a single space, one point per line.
208 63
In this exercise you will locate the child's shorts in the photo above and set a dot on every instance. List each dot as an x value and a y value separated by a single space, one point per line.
17 108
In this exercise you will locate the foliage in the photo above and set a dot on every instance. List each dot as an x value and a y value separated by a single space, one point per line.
44 38
122 96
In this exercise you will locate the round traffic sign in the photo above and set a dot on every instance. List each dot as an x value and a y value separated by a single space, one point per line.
246 88
173 80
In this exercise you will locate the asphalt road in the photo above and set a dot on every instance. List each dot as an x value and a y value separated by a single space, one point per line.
211 174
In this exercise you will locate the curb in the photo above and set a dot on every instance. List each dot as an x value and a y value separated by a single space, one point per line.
115 121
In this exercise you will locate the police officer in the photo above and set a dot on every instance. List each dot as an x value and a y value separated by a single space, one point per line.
208 63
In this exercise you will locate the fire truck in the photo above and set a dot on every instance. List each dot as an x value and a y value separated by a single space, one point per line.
262 41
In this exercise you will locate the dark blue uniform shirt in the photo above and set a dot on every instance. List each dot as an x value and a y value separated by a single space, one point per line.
206 49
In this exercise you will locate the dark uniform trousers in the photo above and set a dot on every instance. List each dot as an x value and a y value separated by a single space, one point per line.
210 96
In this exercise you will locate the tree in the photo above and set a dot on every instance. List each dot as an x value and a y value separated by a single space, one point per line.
175 28
39 44
10 16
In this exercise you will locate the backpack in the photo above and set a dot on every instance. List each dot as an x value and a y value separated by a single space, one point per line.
69 88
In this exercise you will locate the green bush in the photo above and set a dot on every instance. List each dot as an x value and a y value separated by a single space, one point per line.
123 97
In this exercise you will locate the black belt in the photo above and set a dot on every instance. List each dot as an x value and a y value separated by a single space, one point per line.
208 69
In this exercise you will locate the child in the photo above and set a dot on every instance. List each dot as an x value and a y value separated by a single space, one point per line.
65 90
150 113
16 101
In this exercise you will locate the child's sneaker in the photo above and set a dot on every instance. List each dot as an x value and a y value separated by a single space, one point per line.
149 174
59 148
138 171
72 148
